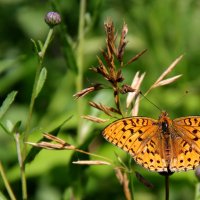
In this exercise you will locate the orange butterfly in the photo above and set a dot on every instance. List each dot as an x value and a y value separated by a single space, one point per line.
162 145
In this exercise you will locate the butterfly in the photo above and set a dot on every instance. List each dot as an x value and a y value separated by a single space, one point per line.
162 145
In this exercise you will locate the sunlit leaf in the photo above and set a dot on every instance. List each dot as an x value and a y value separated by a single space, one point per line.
7 102
41 80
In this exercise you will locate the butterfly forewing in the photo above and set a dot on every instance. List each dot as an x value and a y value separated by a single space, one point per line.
138 136
188 143
127 130
189 129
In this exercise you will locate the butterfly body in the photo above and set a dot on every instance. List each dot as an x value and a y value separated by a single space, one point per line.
162 145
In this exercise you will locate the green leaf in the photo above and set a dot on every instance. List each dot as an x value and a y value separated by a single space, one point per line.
2 197
40 44
16 127
7 102
5 129
35 45
41 80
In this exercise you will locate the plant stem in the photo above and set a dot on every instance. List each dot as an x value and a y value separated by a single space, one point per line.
79 80
167 187
197 192
7 185
33 96
22 156
131 179
22 166
46 44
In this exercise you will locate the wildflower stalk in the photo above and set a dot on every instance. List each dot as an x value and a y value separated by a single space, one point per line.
79 80
6 183
52 19
33 96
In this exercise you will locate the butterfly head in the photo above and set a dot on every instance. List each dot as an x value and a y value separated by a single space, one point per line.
164 122
163 115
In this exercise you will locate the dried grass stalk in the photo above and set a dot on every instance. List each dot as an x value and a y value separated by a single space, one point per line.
165 73
122 43
167 81
144 180
106 109
91 162
94 119
136 83
136 57
135 109
88 90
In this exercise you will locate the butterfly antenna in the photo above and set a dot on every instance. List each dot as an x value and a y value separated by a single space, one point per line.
150 101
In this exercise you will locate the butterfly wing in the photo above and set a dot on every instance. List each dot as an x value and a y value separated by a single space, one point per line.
185 144
139 136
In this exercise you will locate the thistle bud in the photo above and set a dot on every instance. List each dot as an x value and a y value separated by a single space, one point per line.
52 19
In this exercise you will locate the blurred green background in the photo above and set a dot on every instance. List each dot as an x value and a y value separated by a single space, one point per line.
166 28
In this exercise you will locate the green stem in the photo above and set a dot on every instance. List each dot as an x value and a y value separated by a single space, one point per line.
24 185
80 54
197 192
22 166
46 44
7 185
33 96
167 187
32 102
131 179
41 55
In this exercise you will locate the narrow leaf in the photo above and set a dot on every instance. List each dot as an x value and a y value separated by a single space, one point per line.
41 80
40 45
7 102
35 45
5 129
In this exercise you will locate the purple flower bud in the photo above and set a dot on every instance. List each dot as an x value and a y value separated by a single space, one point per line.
52 18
